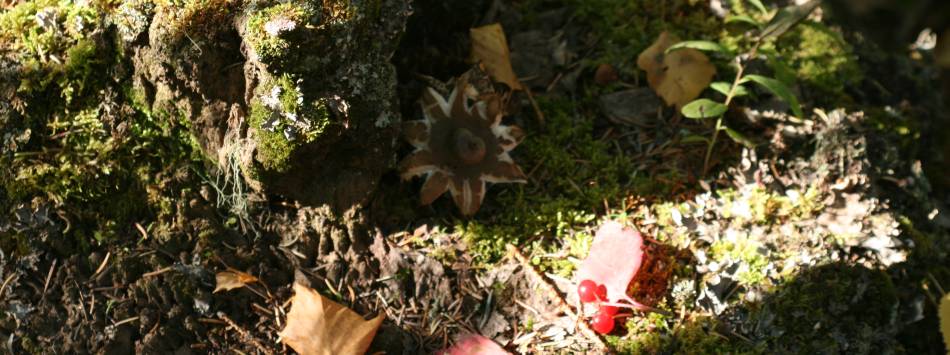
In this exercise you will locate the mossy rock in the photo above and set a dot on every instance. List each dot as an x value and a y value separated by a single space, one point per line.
298 94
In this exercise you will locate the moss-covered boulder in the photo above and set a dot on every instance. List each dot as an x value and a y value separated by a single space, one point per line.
297 95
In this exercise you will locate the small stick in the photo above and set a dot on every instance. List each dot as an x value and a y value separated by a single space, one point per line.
5 283
49 276
556 295
129 320
247 336
141 230
102 265
534 104
157 272
212 321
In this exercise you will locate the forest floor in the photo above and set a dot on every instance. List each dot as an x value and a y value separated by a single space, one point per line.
824 233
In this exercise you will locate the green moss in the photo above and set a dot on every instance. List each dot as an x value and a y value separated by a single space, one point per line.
821 59
50 40
286 119
626 28
196 20
834 308
272 47
579 172
655 334
273 150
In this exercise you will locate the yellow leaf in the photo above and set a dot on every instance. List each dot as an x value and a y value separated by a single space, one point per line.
232 279
945 320
490 47
679 76
317 325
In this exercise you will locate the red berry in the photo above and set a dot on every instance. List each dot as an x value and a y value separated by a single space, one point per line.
602 292
586 291
602 323
609 310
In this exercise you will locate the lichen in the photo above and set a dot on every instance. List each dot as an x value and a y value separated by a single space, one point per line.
286 119
273 31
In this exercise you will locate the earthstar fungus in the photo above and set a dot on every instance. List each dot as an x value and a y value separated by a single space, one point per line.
460 145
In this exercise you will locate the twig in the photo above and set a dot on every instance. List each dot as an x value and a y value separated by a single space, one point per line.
129 320
534 104
141 230
247 336
554 294
49 276
102 265
157 272
5 283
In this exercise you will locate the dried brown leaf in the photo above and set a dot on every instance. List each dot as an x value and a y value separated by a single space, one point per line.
232 279
317 325
490 47
679 76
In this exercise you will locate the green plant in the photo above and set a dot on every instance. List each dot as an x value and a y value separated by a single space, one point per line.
705 108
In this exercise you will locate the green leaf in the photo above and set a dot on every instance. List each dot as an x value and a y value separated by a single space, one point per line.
694 139
708 46
738 137
703 108
758 5
786 18
744 19
723 87
777 88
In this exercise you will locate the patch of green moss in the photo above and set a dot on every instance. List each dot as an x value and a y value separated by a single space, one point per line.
626 28
655 334
273 150
834 308
579 172
50 41
821 59
273 43
196 19
285 119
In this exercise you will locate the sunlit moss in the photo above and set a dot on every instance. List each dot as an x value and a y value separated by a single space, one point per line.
820 58
575 173
51 42
285 119
654 333
271 42
196 20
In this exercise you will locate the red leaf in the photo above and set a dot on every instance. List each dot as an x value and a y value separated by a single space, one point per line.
613 261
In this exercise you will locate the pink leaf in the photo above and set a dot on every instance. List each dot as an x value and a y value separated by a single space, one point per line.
474 344
613 261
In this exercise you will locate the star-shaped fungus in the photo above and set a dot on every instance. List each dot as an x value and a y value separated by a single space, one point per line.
460 145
